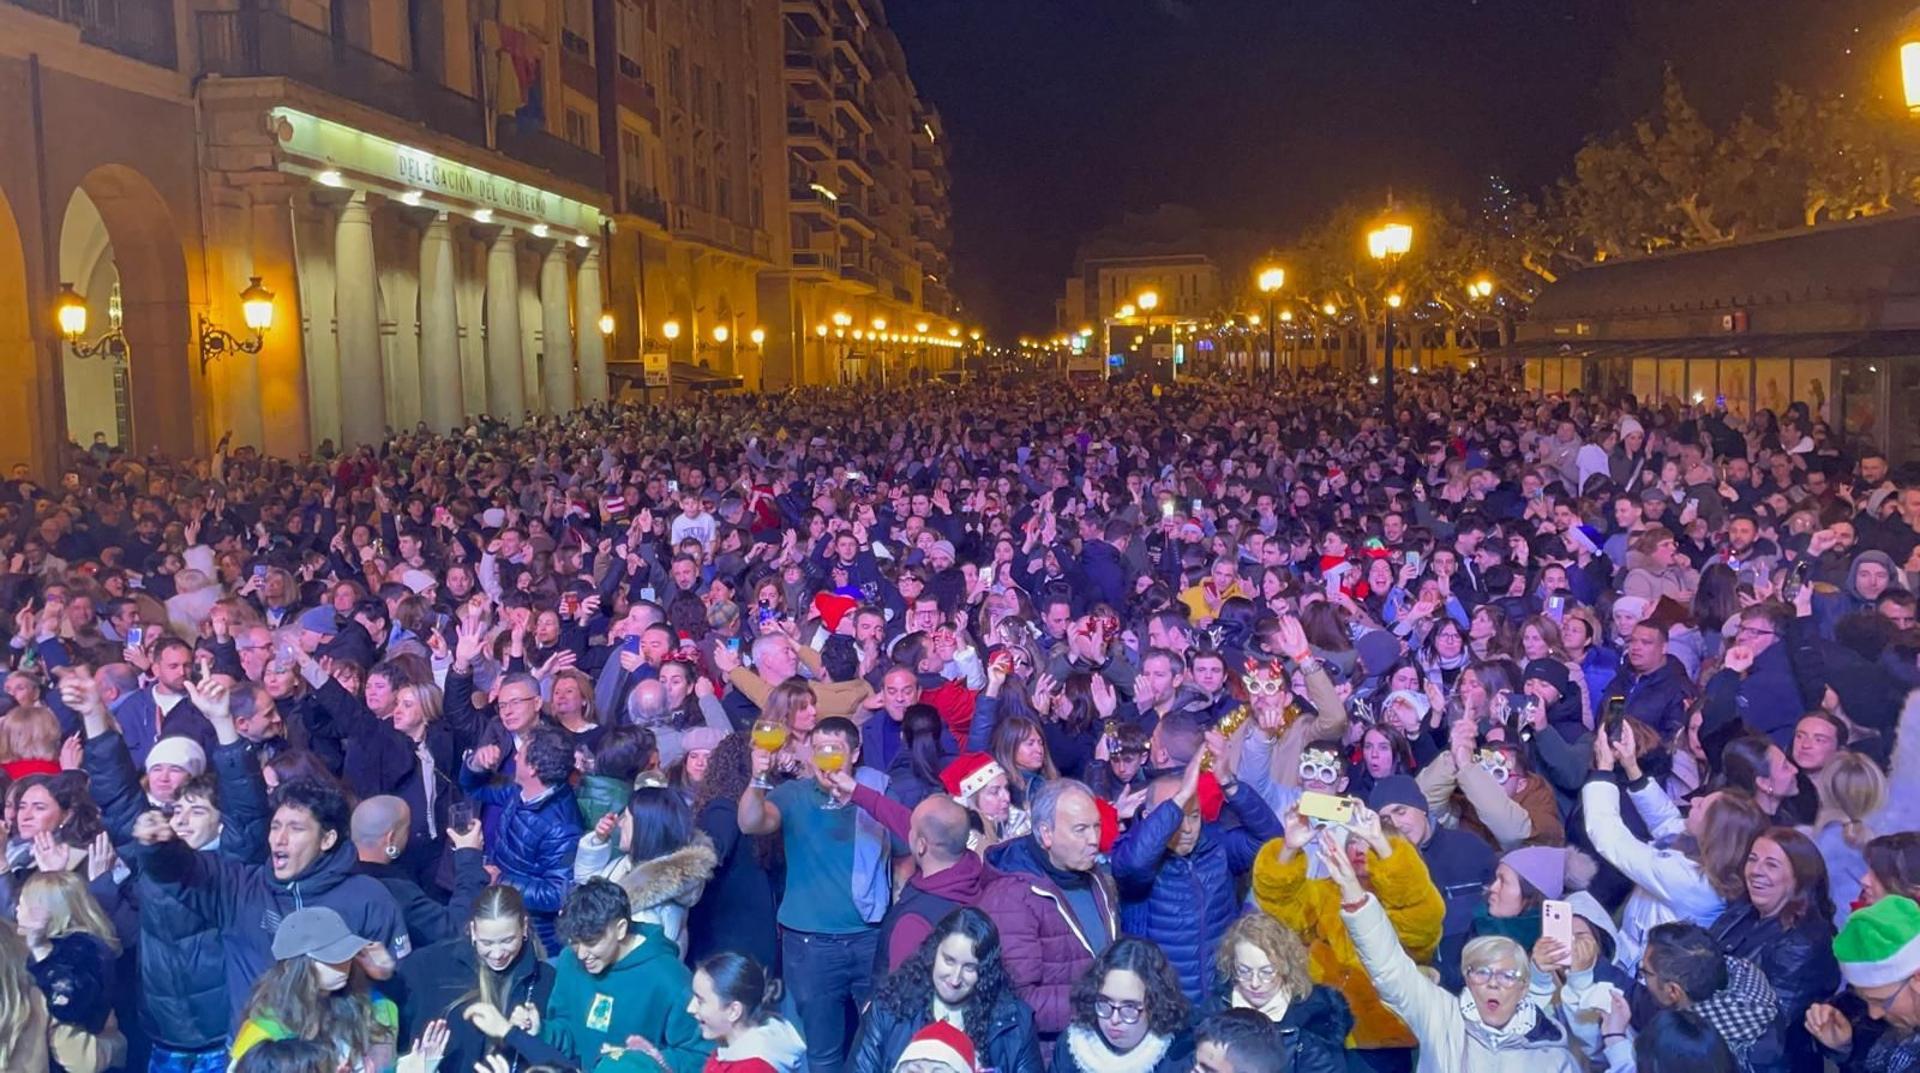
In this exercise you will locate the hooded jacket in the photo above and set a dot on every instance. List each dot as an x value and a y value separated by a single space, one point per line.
247 903
1648 581
643 994
1011 1044
769 1047
1312 909
662 890
925 900
1041 940
1830 607
1451 1036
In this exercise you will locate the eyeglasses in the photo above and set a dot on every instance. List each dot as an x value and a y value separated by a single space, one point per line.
1482 974
1127 1013
1318 770
1248 975
1754 631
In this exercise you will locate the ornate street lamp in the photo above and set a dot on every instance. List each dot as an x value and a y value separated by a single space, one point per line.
256 308
1270 281
70 313
1388 243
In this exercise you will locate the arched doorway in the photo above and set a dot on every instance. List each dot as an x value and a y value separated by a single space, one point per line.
19 357
120 249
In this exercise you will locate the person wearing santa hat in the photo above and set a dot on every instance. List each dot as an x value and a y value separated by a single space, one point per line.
978 782
938 1048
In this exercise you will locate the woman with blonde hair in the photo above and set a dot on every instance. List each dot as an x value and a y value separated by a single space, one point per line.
71 948
30 742
1262 966
1855 789
23 1009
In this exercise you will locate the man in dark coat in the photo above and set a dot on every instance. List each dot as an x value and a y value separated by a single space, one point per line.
1654 683
1064 911
539 823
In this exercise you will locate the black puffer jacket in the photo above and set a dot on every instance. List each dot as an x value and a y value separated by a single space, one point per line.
1012 1046
183 985
1312 1033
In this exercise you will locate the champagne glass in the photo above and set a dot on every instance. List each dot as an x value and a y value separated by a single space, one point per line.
830 757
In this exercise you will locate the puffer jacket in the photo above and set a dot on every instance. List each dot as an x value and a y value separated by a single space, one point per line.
1312 1031
1451 1036
1312 909
533 846
1011 1045
183 982
1797 961
1184 904
1668 884
247 903
663 889
1041 942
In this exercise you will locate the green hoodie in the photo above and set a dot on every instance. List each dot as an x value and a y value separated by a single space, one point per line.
644 994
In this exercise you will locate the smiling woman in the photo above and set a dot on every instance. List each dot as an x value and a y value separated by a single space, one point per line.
1784 925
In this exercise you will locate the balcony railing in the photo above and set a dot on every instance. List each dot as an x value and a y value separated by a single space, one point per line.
138 29
256 44
852 269
819 259
645 202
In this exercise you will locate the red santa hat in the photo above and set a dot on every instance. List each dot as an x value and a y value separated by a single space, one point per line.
969 774
940 1042
1109 823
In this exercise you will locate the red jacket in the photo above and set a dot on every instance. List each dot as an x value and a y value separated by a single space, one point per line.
954 701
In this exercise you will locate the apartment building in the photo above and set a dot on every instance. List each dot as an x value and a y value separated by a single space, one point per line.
458 207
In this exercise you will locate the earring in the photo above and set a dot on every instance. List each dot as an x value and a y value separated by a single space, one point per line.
392 851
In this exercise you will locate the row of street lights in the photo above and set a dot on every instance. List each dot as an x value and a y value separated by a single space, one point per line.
256 308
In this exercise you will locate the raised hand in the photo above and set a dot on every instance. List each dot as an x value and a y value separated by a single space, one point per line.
1829 1026
51 854
71 752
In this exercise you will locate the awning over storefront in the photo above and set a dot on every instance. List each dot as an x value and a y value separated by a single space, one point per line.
700 378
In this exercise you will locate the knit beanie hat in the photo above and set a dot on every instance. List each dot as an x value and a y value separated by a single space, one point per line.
1396 790
1543 866
940 1042
1880 944
181 752
968 774
1551 671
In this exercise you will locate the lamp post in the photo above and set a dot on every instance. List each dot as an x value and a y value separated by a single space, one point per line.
1271 280
1286 318
256 308
1388 243
1148 301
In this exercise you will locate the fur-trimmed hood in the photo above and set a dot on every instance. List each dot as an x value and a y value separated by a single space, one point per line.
677 877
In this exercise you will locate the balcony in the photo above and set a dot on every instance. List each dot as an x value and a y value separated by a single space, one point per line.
575 45
822 264
900 293
854 162
854 272
263 44
854 217
848 100
807 76
137 29
813 206
807 16
807 139
646 203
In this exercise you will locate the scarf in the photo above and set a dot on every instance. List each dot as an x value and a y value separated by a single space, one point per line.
1274 1010
1090 1051
1514 1031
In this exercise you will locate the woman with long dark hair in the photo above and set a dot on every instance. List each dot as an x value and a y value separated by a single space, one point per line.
915 772
956 976
666 863
736 910
1020 748
1129 1015
493 964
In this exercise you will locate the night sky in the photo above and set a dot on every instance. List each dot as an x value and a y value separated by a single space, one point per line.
1063 115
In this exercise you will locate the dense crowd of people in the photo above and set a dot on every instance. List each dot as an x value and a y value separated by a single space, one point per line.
1015 726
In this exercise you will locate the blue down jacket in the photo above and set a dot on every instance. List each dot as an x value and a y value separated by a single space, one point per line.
1185 904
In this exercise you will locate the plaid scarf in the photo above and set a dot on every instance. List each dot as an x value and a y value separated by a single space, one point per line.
1742 1010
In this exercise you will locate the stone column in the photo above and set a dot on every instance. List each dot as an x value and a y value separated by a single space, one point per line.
556 331
443 398
363 394
285 426
592 345
506 401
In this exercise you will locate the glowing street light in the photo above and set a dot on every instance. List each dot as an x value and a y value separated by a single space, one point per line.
606 324
1910 69
841 318
671 329
1270 281
757 336
1388 243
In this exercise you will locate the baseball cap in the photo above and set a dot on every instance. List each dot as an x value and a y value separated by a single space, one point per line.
318 933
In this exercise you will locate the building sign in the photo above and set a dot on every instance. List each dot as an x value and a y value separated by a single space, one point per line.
369 161
655 369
